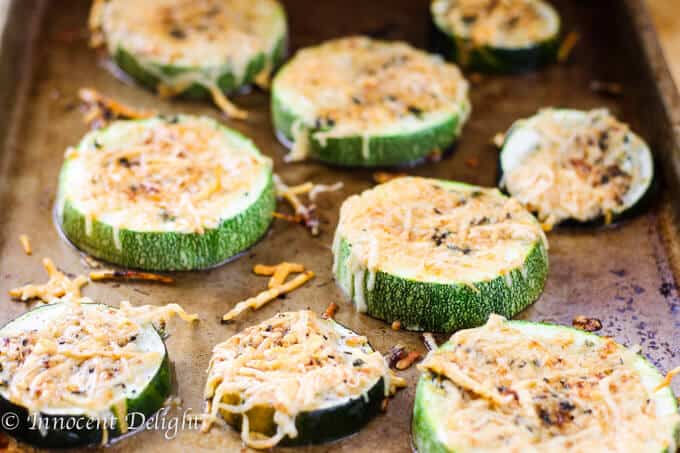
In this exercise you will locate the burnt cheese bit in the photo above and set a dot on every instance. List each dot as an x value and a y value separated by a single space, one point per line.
177 33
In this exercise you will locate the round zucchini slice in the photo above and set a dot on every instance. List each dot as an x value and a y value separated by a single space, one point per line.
509 36
524 386
308 380
362 102
438 255
166 193
77 375
574 165
189 48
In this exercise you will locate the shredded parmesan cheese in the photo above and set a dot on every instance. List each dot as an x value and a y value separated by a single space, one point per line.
26 244
508 388
295 362
579 169
100 110
58 286
268 295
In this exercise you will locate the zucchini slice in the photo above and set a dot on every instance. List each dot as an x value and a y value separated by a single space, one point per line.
78 375
362 102
166 193
508 36
576 165
189 48
308 380
438 255
524 386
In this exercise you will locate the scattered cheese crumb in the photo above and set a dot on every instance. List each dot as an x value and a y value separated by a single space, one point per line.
26 244
59 285
268 295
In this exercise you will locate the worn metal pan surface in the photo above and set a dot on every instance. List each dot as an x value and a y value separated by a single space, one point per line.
623 275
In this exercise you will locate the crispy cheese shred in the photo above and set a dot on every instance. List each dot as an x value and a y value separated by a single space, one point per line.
129 275
668 379
507 388
76 354
303 214
99 110
26 244
267 296
294 362
579 169
58 286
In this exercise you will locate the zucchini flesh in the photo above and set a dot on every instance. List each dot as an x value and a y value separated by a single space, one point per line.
148 233
622 153
509 50
394 286
189 49
76 427
437 397
340 103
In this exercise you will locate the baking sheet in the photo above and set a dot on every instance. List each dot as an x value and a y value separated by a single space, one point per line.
622 275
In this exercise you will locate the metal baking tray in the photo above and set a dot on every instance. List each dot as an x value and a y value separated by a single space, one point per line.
624 275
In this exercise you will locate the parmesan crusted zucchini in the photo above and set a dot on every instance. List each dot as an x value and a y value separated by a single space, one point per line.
308 380
506 36
438 255
167 193
362 102
576 165
193 48
74 374
523 386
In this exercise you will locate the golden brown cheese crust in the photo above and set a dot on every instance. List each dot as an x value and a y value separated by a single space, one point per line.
163 175
509 390
430 231
579 172
354 84
498 23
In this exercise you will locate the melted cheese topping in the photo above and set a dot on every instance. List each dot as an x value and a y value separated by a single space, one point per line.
511 389
204 37
81 358
295 362
164 175
359 86
574 165
498 23
435 231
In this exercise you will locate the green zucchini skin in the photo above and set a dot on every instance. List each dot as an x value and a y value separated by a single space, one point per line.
494 60
383 150
323 425
228 82
147 403
326 425
169 251
437 307
424 424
